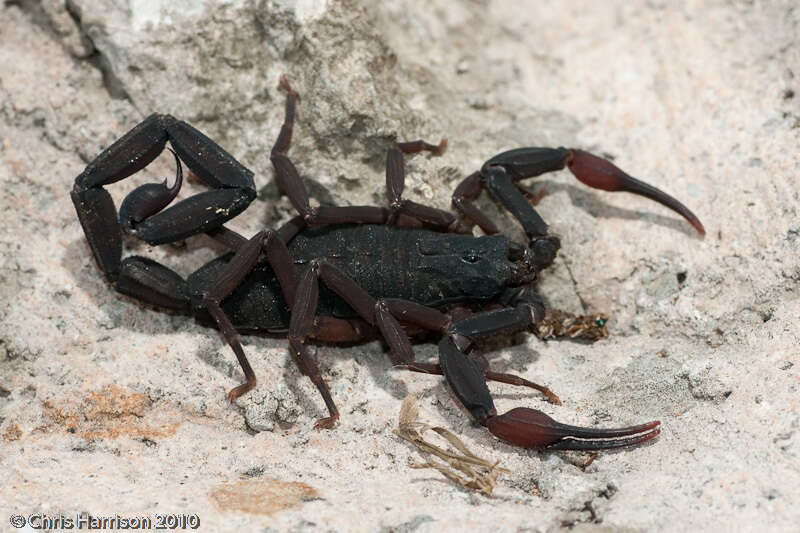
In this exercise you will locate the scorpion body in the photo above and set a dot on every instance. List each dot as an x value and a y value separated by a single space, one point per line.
430 268
347 274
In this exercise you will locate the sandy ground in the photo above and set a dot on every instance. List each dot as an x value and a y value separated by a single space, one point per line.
110 407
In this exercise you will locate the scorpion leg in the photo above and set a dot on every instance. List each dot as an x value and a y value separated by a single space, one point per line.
431 319
290 182
375 313
483 365
464 195
242 263
300 325
395 183
521 426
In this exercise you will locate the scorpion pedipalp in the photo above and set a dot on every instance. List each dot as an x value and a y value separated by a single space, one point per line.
530 428
150 198
500 174
601 174
521 426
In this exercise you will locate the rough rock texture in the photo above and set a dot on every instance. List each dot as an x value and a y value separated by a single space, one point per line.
107 406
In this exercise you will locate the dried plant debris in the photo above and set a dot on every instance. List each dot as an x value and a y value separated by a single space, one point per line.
457 463
562 324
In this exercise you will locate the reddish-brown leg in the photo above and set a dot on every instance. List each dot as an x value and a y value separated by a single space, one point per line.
466 192
511 379
373 312
395 183
241 264
532 197
433 320
303 311
291 183
401 212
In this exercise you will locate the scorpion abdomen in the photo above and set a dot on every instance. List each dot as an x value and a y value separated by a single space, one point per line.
431 268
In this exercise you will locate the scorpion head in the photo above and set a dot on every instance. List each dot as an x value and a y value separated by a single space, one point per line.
483 267
477 268
529 260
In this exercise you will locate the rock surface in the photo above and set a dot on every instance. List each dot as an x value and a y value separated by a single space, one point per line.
107 406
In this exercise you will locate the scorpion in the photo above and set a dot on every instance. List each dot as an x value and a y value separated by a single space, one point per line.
346 274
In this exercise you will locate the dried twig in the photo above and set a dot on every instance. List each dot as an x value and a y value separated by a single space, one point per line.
461 465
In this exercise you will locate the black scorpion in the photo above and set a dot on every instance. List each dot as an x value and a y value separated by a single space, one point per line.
345 274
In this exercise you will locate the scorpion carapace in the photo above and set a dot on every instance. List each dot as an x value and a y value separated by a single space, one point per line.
344 274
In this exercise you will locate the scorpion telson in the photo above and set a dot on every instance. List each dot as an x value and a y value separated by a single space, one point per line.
347 274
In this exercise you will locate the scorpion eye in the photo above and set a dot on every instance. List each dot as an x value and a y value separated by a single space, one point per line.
471 256
600 322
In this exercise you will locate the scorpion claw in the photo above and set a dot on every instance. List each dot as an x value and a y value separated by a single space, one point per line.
530 428
601 174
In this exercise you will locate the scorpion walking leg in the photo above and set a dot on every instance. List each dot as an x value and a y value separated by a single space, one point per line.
395 183
483 364
302 321
434 320
242 263
464 194
291 183
375 313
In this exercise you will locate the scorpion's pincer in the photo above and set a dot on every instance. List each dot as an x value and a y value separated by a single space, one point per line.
530 428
